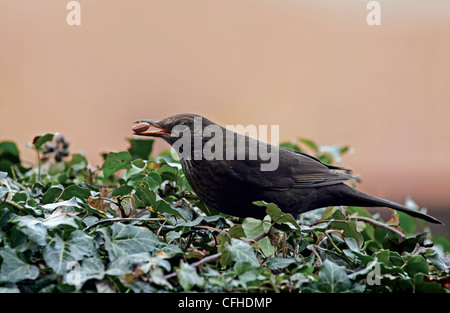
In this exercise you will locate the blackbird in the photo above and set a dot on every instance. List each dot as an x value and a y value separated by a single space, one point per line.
230 178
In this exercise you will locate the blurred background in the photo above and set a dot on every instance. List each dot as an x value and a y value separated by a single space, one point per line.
314 67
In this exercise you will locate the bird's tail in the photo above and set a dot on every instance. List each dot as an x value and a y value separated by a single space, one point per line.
355 197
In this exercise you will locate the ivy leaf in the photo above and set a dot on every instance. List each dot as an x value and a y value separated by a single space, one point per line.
76 191
9 156
416 264
13 269
290 145
61 217
126 240
140 148
68 203
58 252
121 191
52 194
242 252
4 217
38 141
116 161
279 263
311 144
254 227
277 215
188 277
91 268
332 279
33 228
349 228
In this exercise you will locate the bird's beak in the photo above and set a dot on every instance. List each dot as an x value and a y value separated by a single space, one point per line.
141 128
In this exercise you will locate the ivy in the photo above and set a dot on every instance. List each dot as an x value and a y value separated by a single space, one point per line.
135 225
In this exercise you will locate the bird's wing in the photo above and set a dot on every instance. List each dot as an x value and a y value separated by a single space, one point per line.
295 170
331 167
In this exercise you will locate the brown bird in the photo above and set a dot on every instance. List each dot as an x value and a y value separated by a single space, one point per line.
229 171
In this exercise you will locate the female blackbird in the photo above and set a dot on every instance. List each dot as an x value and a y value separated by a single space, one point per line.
229 171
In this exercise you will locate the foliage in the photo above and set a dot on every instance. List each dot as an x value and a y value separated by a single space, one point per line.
135 225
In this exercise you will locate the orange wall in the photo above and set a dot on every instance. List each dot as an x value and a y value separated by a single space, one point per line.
313 67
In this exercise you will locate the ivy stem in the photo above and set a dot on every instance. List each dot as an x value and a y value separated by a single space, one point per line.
124 219
379 224
217 255
39 164
332 243
12 203
197 264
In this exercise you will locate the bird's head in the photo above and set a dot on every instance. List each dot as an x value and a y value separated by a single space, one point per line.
171 128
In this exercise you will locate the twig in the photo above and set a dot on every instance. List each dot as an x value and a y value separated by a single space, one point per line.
17 206
217 255
367 220
332 243
267 232
213 229
260 236
136 214
379 224
124 219
60 195
197 264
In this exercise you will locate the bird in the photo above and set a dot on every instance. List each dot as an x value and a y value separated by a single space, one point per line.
233 179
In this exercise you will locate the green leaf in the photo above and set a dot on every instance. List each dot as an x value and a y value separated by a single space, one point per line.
68 203
252 228
76 191
242 252
20 197
349 227
116 161
236 231
91 268
33 228
61 216
126 240
442 241
311 144
407 223
416 264
140 148
9 156
52 194
271 209
280 263
154 180
4 217
9 150
188 277
332 279
289 145
78 163
151 198
13 269
318 227
137 166
325 158
121 191
168 172
38 141
59 252
435 258
277 215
